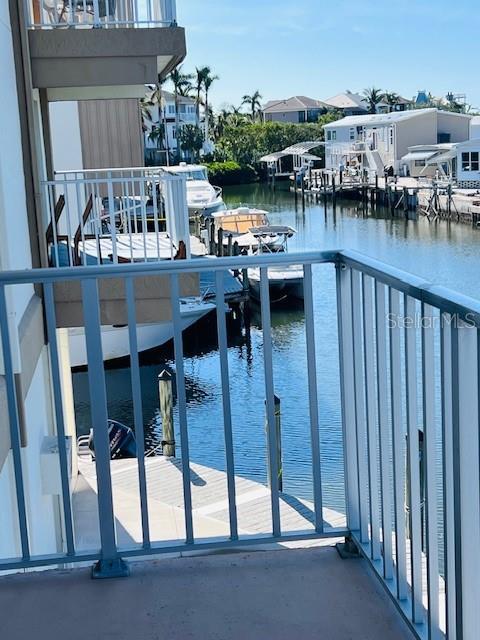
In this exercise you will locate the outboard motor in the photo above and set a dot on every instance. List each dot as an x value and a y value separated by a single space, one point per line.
122 441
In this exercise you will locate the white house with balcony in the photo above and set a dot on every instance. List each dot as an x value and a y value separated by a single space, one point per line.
165 114
379 141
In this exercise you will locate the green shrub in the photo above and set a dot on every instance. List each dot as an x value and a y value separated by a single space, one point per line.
227 173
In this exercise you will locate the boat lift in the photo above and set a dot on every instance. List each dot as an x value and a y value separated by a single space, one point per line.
302 159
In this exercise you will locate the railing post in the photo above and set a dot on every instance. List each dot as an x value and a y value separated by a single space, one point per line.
110 565
347 386
465 415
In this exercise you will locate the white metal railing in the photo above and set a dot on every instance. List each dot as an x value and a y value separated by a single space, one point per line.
114 215
47 14
409 380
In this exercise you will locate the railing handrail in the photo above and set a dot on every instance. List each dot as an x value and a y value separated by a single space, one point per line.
155 169
445 299
112 180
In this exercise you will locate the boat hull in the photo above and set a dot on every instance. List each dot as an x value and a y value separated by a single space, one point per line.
288 284
115 340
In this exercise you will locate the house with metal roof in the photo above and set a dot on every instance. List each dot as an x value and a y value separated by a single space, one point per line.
379 141
297 109
349 103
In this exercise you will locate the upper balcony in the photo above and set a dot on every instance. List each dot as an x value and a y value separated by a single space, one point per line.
99 43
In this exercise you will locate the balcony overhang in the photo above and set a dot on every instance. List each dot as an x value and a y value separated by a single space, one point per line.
100 57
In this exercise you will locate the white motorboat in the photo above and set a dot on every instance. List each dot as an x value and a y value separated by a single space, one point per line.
250 228
202 197
283 282
115 340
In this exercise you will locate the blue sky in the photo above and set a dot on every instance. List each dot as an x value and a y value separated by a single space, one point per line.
319 48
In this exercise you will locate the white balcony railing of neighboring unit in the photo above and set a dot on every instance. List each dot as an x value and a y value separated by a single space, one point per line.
114 215
409 383
100 13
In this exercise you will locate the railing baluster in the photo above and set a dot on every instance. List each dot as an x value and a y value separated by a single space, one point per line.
431 498
143 209
110 562
312 395
137 408
58 404
270 401
111 210
347 382
14 424
398 441
465 417
413 464
360 419
156 184
372 439
448 477
227 411
385 451
182 404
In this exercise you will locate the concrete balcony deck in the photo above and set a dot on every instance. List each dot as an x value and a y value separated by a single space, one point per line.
302 593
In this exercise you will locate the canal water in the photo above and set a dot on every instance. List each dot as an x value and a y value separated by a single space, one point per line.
446 254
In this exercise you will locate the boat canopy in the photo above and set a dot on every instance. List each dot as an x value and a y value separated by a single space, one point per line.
418 155
442 156
299 149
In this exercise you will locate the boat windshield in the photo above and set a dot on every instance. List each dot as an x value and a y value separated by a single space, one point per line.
196 174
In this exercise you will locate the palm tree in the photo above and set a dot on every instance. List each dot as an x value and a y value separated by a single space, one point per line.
373 98
155 99
391 98
254 102
208 80
200 75
181 86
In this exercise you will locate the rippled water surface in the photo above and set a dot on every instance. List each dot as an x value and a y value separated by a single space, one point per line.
443 253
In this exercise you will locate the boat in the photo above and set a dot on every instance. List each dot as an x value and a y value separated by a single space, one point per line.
203 198
284 281
115 339
250 229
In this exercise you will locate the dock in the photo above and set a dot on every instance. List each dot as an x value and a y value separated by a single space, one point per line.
166 508
402 196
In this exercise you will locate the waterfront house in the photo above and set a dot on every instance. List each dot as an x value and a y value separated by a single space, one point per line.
165 114
459 162
296 109
349 103
378 141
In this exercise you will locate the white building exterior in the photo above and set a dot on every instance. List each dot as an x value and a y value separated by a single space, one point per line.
27 160
32 373
379 141
166 114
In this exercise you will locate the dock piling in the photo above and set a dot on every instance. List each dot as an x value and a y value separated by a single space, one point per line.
165 393
278 439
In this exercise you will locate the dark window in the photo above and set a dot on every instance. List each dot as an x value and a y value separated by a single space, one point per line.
474 161
470 161
301 116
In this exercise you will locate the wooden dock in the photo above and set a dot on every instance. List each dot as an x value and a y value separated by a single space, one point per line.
165 504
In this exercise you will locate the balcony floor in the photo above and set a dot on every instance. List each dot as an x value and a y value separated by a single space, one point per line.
300 593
